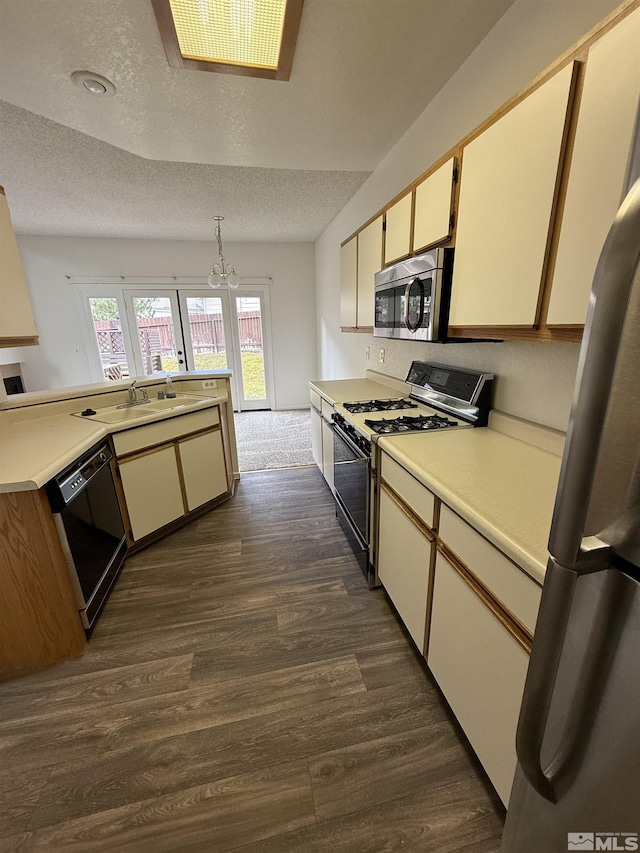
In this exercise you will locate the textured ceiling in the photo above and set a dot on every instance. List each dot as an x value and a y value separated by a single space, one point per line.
174 147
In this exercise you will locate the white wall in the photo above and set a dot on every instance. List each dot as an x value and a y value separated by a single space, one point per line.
61 359
535 380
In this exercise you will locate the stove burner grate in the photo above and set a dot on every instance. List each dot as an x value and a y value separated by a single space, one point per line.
409 424
378 406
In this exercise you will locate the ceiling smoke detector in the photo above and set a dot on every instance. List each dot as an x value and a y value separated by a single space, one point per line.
96 84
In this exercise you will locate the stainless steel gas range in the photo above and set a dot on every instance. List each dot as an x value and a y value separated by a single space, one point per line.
441 398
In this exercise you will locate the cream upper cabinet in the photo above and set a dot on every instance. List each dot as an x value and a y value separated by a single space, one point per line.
507 193
398 230
348 282
369 263
17 326
432 217
599 163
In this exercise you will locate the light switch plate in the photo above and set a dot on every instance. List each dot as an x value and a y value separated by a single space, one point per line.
209 383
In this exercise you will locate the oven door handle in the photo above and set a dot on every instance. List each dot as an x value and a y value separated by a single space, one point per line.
353 447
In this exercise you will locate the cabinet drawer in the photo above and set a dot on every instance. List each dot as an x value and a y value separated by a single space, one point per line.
327 410
146 436
481 670
316 399
509 583
412 492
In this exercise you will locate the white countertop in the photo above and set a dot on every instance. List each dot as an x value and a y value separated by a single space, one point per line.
501 479
39 438
501 485
353 390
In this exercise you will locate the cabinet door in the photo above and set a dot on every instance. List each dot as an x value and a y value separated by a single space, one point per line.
397 241
507 194
316 437
348 282
369 263
432 216
17 327
404 555
152 490
203 468
327 453
480 669
599 161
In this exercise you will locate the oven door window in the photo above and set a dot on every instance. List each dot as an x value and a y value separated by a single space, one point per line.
351 482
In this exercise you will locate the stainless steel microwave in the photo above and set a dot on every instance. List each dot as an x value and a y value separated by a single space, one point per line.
412 297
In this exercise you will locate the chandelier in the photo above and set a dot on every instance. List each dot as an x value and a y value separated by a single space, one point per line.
221 271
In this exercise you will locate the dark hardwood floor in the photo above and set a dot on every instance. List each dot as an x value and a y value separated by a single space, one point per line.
243 690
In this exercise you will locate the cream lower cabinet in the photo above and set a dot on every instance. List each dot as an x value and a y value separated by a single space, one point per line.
481 670
327 453
405 545
151 484
322 435
171 468
203 468
483 615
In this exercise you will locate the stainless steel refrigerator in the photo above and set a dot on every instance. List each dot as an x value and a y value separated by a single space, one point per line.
577 785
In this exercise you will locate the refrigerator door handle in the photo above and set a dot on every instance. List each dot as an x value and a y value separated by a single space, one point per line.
610 293
555 608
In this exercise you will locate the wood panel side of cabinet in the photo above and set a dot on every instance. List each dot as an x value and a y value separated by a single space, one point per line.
39 619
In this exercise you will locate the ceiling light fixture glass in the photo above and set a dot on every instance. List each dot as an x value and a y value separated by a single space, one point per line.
252 37
221 271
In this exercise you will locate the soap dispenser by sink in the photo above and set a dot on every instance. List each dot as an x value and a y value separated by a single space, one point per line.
169 392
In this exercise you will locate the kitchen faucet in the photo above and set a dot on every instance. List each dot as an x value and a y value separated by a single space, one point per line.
133 396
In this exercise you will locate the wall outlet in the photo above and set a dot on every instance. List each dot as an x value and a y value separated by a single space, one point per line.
367 353
209 383
382 355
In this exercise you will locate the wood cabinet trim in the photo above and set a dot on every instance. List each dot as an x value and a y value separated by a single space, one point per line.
362 330
568 334
507 619
20 342
415 519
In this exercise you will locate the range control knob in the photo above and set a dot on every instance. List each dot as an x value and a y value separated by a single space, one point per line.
88 412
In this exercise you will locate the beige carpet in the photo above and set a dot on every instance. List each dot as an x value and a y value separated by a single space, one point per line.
269 440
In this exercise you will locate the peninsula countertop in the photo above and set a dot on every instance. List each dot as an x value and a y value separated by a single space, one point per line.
40 436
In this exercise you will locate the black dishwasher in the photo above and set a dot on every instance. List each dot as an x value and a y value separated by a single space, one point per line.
92 533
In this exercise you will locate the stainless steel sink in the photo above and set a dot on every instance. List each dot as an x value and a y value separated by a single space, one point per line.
118 414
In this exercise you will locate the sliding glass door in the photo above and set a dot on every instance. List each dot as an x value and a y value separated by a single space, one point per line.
147 330
154 321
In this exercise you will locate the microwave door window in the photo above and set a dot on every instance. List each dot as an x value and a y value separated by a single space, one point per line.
387 316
